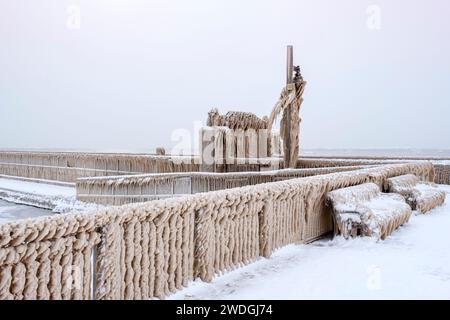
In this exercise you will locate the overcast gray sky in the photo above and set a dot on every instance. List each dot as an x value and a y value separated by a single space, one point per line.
135 71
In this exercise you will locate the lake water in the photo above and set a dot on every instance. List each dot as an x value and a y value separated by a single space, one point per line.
10 211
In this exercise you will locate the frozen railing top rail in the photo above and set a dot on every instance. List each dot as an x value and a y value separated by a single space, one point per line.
222 174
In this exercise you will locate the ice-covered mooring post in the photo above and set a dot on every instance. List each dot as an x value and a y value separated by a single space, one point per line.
290 101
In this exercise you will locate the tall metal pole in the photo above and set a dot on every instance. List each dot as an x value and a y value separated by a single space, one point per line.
290 65
287 119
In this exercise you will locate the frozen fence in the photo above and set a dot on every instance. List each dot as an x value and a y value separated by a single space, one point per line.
338 162
442 173
68 166
139 188
151 249
441 165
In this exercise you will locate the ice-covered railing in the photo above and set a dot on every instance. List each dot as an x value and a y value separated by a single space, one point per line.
337 162
139 188
441 164
442 173
151 249
68 166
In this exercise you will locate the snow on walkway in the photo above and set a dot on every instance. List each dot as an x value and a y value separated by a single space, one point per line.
48 196
412 263
37 188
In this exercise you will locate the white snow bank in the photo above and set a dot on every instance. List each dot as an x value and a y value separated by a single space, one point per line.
37 188
59 199
412 263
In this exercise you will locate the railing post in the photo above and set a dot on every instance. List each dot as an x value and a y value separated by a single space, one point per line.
108 273
265 218
203 259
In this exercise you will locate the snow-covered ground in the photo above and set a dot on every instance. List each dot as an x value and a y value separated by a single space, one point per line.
412 263
47 196
37 188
